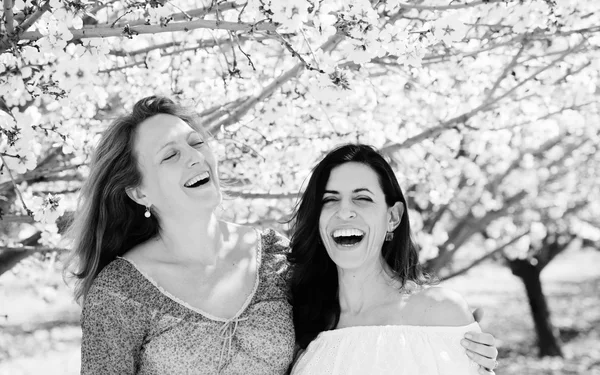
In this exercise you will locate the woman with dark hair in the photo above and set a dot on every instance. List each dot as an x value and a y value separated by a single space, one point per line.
168 288
359 296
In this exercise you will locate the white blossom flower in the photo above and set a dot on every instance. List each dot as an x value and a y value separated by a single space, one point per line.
412 57
21 162
357 51
449 30
331 87
291 14
50 236
98 47
362 10
47 210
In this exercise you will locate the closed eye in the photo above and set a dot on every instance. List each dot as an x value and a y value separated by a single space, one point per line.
170 156
364 199
328 199
198 144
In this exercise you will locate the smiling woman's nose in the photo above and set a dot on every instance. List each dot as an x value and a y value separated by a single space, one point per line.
346 212
194 157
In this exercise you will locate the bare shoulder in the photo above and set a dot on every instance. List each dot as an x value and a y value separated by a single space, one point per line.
437 306
237 232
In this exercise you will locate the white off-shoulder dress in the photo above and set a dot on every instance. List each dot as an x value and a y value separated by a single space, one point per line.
399 350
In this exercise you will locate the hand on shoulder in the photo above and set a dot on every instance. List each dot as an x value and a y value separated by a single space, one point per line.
437 306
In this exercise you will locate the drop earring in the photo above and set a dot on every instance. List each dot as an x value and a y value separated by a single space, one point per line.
389 236
147 213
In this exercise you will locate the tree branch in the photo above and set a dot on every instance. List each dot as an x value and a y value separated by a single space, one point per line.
105 31
508 67
201 44
17 219
34 17
572 72
245 195
8 17
541 70
448 7
495 182
435 130
483 258
38 173
31 249
466 227
187 15
269 89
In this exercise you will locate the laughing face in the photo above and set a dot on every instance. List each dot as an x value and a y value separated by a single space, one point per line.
179 171
355 216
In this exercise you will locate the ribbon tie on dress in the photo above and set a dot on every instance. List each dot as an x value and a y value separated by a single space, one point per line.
227 332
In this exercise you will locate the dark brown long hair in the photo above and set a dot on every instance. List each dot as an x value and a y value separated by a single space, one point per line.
107 222
314 285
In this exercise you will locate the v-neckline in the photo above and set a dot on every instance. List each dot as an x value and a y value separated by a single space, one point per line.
249 298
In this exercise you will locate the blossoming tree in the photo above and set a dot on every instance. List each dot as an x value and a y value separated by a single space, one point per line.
487 109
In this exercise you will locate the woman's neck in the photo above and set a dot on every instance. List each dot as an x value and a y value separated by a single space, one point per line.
362 289
193 241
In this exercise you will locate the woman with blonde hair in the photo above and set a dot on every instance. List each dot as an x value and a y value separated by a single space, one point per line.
167 287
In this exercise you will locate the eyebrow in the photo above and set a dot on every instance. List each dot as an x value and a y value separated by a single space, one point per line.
359 190
173 142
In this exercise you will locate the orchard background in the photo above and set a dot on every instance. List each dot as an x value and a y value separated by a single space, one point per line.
488 111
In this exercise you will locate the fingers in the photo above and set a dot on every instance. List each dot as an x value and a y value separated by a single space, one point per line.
481 338
486 363
484 350
478 314
484 371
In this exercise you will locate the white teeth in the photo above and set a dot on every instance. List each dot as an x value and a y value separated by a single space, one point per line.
347 232
193 180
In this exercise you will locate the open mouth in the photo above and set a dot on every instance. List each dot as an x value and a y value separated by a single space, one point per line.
347 237
198 180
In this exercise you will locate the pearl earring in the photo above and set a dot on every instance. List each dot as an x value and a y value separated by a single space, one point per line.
147 213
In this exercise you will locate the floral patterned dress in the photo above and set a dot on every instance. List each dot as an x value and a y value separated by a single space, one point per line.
132 326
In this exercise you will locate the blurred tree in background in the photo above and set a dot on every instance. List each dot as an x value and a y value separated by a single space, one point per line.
487 109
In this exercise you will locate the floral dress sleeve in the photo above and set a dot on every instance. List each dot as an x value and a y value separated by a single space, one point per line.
277 248
113 330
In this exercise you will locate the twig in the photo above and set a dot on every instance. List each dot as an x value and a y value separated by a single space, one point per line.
309 47
112 25
245 54
290 48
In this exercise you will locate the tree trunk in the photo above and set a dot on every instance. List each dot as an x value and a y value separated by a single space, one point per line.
548 342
